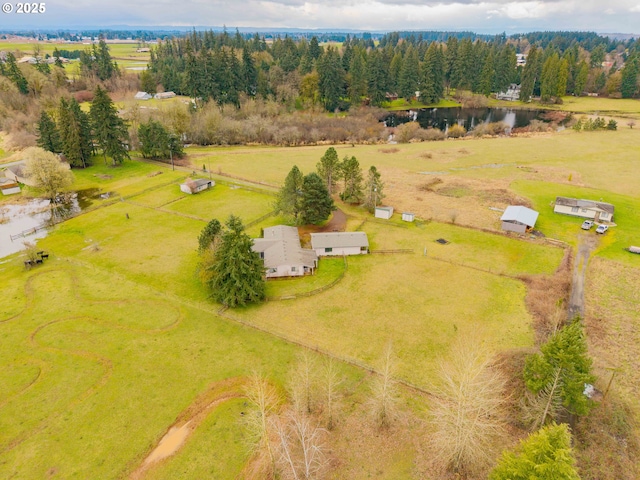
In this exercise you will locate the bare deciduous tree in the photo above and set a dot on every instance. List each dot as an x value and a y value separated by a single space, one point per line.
467 410
301 451
265 399
303 383
330 382
384 391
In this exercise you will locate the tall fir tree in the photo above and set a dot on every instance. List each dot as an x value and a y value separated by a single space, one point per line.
432 88
237 272
565 351
529 75
329 169
317 205
330 78
75 133
352 176
289 201
544 455
373 189
109 130
408 83
48 134
630 76
12 71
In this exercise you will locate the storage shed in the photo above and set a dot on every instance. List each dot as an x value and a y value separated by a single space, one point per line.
195 186
9 186
408 217
518 219
340 243
384 212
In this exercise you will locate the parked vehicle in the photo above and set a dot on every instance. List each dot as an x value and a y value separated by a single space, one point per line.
587 224
602 228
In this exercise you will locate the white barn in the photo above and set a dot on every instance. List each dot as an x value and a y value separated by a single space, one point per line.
598 211
518 219
195 186
282 254
340 243
384 212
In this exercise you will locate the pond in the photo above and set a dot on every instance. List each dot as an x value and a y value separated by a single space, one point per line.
34 217
443 118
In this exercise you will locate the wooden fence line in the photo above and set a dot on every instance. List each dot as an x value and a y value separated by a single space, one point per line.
317 290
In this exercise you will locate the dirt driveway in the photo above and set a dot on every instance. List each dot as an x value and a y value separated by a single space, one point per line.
587 242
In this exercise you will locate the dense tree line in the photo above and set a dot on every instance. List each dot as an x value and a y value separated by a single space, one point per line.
221 66
76 134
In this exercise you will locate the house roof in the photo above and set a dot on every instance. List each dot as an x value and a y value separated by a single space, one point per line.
520 214
339 240
280 245
589 204
200 182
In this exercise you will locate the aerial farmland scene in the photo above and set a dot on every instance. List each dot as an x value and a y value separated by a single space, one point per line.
306 240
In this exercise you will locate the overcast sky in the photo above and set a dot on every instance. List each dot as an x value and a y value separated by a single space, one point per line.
619 16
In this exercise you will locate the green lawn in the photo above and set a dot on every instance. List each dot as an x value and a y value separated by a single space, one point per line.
566 228
96 367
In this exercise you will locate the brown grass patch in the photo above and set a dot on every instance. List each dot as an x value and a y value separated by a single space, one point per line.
389 150
607 443
426 155
429 185
546 297
504 196
464 151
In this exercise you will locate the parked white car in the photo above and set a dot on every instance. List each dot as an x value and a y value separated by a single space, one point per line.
602 228
587 224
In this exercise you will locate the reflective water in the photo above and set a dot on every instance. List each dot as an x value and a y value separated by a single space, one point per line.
34 217
443 118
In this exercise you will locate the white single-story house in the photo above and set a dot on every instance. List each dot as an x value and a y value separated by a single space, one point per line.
164 95
598 211
517 218
384 212
195 186
340 243
282 254
408 217
143 96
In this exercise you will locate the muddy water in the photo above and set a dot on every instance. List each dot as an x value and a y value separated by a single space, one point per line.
22 217
169 444
18 218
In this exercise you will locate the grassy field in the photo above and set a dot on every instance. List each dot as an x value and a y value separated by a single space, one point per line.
113 338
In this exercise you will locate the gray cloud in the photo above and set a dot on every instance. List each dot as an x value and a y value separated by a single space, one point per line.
477 15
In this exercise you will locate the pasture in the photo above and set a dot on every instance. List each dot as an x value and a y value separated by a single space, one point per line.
114 338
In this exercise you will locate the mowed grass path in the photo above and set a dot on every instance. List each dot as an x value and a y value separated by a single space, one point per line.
95 368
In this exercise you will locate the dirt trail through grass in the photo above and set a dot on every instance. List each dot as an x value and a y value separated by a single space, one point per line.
586 244
188 421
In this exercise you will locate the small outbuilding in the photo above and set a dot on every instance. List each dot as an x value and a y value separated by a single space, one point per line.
518 219
143 96
339 243
164 95
408 217
384 212
195 186
597 211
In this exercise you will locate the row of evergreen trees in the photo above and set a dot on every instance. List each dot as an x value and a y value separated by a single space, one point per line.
206 65
75 134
